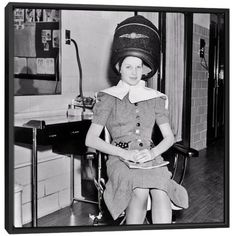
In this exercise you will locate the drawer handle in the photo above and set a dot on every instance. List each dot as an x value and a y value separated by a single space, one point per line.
75 132
52 135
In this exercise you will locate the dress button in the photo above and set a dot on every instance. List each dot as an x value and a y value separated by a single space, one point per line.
138 124
137 117
136 104
141 144
137 131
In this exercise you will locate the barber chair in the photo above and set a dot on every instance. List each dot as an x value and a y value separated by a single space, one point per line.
178 156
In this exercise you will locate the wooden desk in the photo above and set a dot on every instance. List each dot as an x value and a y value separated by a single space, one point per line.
50 130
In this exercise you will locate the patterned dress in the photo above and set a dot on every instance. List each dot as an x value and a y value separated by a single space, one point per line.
133 123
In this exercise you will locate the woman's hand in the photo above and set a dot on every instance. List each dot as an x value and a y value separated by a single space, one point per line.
137 156
144 155
129 155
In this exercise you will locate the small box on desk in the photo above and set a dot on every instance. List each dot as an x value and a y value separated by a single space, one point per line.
75 112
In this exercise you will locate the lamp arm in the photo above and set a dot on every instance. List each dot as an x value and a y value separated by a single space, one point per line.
80 72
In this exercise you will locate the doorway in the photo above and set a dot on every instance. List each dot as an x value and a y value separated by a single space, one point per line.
216 84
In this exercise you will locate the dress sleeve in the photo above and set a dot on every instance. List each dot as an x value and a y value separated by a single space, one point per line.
162 114
102 108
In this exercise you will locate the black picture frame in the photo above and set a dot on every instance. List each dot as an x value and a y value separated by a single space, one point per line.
9 118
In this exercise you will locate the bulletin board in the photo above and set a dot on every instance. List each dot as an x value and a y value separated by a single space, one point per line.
36 51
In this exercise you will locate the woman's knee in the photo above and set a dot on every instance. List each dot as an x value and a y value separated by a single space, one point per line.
161 207
140 194
160 196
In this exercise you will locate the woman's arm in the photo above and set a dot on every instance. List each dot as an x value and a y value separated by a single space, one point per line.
93 140
165 144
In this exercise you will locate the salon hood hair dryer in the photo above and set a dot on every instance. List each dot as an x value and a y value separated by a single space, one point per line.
137 36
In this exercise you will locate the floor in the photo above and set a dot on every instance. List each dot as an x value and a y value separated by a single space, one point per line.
204 182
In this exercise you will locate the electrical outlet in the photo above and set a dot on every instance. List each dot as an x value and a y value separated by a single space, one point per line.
67 37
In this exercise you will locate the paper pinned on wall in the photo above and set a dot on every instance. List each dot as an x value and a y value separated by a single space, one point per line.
49 66
38 15
55 38
29 15
19 16
24 41
45 66
32 66
50 15
46 35
20 65
40 65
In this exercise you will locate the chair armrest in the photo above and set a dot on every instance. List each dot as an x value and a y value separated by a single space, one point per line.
185 151
90 154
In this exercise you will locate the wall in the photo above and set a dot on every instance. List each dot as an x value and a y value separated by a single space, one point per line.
199 83
93 31
94 48
53 181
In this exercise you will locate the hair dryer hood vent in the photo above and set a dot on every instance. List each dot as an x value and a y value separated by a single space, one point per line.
137 36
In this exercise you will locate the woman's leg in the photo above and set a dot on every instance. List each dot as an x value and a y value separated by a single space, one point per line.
136 211
161 207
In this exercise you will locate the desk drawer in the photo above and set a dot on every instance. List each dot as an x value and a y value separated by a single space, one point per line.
67 130
52 134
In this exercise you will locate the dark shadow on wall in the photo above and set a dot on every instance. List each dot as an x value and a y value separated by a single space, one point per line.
26 86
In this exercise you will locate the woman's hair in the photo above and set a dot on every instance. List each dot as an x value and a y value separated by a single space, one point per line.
136 36
119 64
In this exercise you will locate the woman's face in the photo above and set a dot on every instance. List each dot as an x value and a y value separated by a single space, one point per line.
131 70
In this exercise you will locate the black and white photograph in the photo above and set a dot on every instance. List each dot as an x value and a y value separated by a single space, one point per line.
29 15
118 118
38 15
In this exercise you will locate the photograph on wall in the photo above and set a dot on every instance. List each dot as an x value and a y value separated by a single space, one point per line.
55 38
19 18
50 15
38 15
29 15
120 121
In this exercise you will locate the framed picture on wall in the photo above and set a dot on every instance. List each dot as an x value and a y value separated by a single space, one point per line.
117 118
36 42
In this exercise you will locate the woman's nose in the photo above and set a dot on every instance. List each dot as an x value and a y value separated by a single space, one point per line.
134 71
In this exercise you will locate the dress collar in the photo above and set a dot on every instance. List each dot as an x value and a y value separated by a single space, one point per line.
136 93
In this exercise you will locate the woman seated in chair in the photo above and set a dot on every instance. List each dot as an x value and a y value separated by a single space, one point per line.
129 111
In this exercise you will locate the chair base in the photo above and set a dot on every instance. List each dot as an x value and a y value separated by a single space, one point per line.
82 200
